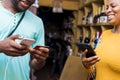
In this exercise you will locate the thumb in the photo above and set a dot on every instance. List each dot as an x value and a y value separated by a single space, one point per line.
13 37
84 53
31 49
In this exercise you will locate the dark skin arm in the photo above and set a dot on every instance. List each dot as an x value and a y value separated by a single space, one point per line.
11 48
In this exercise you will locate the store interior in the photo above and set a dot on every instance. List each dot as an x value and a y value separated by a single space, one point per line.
81 21
58 33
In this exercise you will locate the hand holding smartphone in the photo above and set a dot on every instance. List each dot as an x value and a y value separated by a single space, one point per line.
83 46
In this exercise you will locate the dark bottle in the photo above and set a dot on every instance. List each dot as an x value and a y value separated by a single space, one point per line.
96 18
89 18
83 20
87 40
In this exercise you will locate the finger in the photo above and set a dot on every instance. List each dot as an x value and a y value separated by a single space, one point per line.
84 53
20 52
42 54
38 53
89 62
90 59
19 47
94 61
32 51
14 54
44 49
13 37
40 57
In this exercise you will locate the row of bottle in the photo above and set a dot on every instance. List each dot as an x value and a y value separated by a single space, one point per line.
99 17
94 39
68 23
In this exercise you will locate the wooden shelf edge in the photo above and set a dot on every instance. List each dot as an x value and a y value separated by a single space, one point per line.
89 2
106 24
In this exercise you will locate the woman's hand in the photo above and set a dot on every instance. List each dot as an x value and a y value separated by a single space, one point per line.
12 48
87 62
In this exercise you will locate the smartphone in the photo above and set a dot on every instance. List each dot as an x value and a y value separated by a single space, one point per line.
83 46
38 46
27 42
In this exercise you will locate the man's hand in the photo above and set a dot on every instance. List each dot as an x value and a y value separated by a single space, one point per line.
39 57
12 48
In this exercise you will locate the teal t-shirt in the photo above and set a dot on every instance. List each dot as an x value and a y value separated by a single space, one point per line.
17 68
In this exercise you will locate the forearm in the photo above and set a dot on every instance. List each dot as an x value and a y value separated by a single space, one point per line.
35 64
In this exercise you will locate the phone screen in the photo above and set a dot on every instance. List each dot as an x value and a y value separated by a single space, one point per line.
83 46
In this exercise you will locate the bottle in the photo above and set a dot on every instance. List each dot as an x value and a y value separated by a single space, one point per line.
89 18
103 16
70 51
83 20
97 36
80 38
87 40
96 19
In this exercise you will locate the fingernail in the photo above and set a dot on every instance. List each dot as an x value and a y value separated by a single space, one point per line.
98 58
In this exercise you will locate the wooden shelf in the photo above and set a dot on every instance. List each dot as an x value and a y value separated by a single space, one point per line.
106 24
91 1
81 7
88 2
86 27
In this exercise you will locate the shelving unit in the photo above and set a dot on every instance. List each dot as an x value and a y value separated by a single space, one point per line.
89 29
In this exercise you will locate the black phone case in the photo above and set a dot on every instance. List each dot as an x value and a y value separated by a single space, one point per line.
37 47
83 46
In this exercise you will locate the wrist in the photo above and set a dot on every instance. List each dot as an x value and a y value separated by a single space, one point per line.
37 64
90 69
